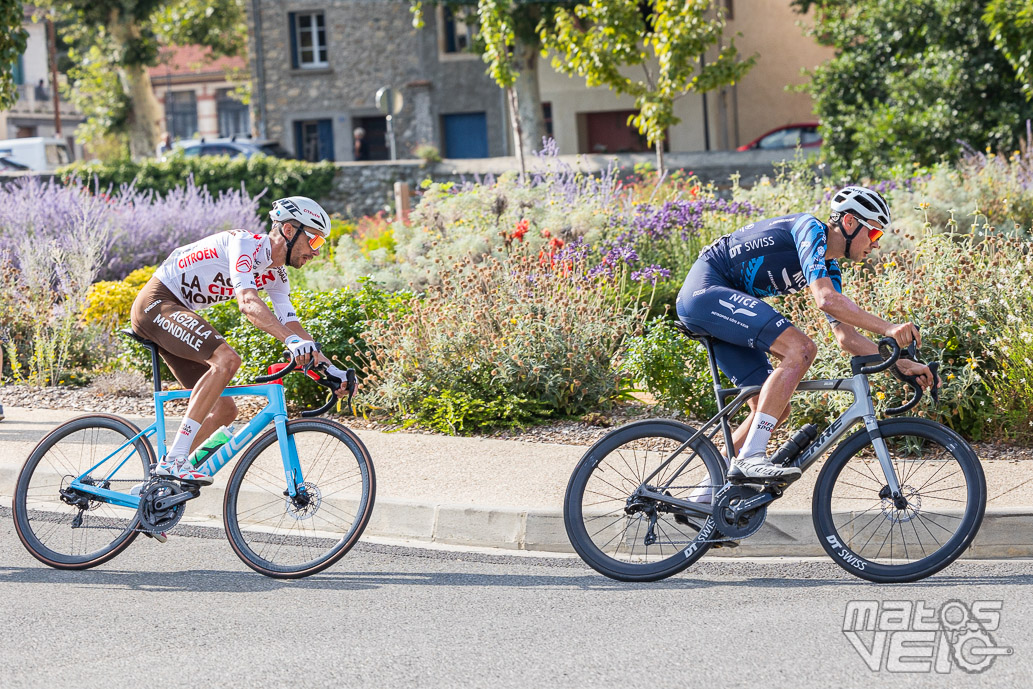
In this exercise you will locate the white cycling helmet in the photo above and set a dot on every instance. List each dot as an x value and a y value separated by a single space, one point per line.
302 209
862 202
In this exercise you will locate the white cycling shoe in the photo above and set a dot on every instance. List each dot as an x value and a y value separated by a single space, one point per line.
760 467
181 468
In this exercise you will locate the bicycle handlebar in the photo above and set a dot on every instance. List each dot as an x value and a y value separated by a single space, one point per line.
883 362
317 373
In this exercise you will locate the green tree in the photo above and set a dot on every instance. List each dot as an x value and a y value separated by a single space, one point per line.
909 80
1011 27
508 40
113 42
666 38
12 44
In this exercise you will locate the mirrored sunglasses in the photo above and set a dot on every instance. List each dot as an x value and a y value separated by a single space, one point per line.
314 240
874 233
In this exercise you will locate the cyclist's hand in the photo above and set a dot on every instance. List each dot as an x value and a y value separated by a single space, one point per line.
342 391
919 371
301 350
904 333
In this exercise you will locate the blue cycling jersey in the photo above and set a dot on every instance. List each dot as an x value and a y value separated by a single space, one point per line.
774 256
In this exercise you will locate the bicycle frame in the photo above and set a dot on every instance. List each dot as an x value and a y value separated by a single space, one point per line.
275 411
861 410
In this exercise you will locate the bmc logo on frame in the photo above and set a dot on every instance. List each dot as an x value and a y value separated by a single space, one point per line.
905 636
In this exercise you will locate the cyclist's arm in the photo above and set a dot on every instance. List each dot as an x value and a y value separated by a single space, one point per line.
260 316
844 310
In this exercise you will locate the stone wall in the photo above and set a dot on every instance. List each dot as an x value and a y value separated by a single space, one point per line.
365 188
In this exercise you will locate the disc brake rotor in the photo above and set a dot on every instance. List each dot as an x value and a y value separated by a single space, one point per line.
914 503
306 502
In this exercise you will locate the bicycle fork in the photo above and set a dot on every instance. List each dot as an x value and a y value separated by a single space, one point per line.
892 489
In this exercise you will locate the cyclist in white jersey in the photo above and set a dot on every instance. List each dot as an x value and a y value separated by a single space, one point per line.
225 266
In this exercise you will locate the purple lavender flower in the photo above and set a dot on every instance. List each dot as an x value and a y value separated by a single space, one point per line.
651 274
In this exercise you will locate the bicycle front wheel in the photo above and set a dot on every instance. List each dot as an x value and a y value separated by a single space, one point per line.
66 529
290 537
875 537
631 539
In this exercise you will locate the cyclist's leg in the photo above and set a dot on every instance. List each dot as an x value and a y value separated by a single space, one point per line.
196 353
190 374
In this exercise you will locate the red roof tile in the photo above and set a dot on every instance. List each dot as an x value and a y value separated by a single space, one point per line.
193 59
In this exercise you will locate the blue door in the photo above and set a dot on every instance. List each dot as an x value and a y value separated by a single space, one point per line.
314 140
466 135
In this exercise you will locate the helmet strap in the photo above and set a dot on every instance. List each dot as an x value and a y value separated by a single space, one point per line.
297 234
849 237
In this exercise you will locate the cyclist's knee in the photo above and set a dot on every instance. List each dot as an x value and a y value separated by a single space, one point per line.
225 361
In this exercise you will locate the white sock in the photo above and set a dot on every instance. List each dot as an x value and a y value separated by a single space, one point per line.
757 440
181 445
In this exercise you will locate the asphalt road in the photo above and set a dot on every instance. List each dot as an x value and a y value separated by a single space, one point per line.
188 613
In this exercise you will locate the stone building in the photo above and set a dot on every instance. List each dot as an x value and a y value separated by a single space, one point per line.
316 66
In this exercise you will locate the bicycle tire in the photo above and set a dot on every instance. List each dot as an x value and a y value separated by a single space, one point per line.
257 512
615 555
69 451
945 489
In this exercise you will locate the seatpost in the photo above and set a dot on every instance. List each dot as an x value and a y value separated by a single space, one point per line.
715 375
155 369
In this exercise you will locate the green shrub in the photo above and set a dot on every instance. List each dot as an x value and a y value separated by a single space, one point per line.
277 177
672 368
334 318
501 342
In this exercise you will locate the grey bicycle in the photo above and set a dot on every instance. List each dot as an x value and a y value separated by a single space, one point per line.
896 501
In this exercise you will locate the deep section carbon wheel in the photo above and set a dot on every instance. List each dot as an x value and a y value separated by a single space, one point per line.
629 537
884 538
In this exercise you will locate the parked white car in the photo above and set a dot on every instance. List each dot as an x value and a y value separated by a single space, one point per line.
37 152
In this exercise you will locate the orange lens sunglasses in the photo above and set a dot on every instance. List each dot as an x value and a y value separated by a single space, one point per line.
317 240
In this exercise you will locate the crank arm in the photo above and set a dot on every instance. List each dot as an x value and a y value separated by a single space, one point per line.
162 504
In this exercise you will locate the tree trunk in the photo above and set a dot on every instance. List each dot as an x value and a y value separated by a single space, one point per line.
528 97
660 157
518 138
144 113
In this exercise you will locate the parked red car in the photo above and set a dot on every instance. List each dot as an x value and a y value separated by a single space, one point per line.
806 135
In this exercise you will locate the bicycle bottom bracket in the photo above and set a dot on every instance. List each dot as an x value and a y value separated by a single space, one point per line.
154 519
732 514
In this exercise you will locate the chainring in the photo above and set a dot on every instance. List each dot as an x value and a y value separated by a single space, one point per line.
153 520
743 525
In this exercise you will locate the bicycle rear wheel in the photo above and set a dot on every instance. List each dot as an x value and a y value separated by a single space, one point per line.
70 530
287 538
640 540
944 496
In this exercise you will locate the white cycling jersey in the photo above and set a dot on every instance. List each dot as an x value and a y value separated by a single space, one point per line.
211 269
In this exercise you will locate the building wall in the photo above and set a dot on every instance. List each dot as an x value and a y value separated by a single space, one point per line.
371 44
770 29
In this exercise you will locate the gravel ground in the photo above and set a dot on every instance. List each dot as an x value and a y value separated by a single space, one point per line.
564 431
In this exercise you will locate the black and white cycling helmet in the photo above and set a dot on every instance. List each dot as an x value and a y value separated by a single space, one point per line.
302 209
862 202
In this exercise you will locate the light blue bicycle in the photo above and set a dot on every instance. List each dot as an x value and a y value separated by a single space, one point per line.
296 502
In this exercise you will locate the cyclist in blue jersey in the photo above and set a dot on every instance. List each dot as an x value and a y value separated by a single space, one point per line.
722 296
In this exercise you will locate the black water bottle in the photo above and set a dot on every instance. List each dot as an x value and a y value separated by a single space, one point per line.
792 447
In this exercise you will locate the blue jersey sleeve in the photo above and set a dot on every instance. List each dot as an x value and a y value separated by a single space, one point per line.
811 243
